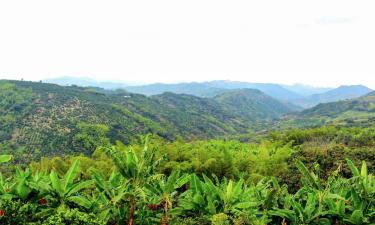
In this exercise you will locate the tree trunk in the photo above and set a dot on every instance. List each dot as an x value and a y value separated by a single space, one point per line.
164 216
132 211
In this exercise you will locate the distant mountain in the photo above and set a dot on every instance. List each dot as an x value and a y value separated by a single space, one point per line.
306 90
337 94
358 111
194 88
85 82
212 88
297 96
273 90
49 119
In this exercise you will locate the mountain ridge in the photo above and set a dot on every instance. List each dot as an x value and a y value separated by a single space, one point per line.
47 117
359 111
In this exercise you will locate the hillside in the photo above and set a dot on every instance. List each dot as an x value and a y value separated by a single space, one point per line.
40 118
84 82
306 90
194 88
359 111
273 90
252 104
337 94
212 88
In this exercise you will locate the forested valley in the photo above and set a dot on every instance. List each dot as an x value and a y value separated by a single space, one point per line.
86 155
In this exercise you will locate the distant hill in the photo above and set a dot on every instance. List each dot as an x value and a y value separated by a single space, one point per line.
194 88
297 96
337 94
47 119
212 88
358 111
85 82
306 90
273 90
202 89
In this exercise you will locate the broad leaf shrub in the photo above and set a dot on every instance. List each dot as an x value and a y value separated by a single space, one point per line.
136 193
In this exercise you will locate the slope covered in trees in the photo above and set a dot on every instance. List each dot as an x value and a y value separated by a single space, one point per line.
359 111
212 88
253 104
41 119
337 94
92 164
300 95
205 182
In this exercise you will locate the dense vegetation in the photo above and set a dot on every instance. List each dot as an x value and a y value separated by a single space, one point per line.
290 177
92 163
44 119
355 112
136 193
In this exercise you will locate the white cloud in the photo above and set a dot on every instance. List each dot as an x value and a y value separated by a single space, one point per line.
316 42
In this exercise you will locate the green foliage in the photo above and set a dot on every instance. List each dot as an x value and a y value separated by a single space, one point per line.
136 193
359 112
43 120
91 136
283 177
5 158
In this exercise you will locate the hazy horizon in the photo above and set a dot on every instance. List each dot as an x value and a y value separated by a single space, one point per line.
319 43
140 83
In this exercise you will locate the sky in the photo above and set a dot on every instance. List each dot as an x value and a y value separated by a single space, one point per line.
319 42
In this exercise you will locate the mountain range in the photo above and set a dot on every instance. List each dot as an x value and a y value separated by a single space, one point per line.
333 95
46 118
297 96
359 112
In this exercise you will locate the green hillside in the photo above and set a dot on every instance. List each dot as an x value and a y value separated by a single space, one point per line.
42 119
337 94
359 111
212 88
252 104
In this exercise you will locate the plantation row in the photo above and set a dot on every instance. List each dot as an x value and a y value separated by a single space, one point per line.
136 192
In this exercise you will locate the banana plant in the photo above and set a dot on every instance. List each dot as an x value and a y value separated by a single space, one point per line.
66 190
303 211
110 201
309 178
5 185
163 193
228 197
362 195
137 169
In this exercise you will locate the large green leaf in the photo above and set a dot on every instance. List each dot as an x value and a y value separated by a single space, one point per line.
308 176
99 180
352 167
78 186
71 174
5 158
79 200
195 184
356 217
56 183
364 173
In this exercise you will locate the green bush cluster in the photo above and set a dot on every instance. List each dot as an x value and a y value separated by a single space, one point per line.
136 192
